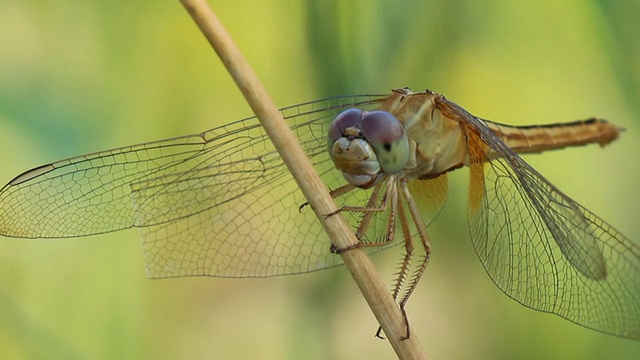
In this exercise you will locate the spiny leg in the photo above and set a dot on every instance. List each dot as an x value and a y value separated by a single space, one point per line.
404 266
371 204
342 190
372 208
390 201
369 210
408 245
424 239
392 191
336 193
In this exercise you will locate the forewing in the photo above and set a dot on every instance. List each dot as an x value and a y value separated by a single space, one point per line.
542 248
88 194
220 203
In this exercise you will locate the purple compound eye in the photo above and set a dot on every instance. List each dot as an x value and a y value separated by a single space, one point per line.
386 135
346 119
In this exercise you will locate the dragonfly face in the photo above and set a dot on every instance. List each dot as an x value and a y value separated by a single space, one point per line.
364 145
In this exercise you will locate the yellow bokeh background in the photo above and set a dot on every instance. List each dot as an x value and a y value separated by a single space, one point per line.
80 76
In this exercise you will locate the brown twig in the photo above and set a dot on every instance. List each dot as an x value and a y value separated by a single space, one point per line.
371 285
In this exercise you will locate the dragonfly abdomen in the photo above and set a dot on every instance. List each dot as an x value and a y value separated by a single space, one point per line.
538 138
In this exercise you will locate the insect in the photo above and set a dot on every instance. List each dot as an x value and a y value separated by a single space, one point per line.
222 203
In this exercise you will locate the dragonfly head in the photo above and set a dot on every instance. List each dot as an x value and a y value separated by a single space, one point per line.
364 145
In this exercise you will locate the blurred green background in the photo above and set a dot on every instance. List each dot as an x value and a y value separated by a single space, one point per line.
80 76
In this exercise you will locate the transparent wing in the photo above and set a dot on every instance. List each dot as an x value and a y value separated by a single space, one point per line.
542 248
219 203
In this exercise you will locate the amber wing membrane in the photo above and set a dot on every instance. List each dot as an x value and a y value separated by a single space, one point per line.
542 248
219 203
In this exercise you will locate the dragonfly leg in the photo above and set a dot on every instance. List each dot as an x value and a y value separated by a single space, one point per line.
373 207
406 260
409 248
407 333
336 193
424 240
391 194
403 268
336 250
344 189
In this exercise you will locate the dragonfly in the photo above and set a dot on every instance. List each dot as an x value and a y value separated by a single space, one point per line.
222 203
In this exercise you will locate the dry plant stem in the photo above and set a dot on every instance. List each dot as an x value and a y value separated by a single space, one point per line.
356 260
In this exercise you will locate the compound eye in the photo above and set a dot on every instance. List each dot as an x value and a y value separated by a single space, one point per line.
386 135
346 119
